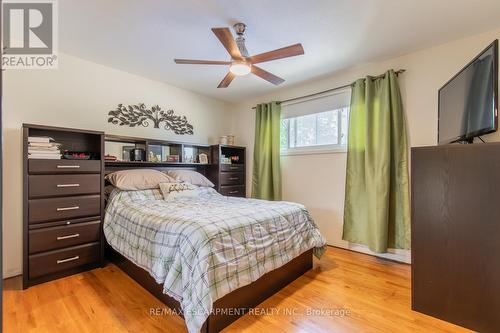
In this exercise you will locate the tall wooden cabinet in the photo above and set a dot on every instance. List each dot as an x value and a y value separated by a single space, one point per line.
456 234
63 206
228 169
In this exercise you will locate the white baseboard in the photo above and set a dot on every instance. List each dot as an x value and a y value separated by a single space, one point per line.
11 273
403 256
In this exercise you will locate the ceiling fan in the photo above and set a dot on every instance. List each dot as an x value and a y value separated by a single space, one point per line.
241 63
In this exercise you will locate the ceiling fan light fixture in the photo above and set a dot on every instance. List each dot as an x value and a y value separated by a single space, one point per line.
241 63
240 68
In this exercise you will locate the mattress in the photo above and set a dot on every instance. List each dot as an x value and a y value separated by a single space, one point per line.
202 248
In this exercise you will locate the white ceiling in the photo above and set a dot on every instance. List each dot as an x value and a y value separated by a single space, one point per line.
142 37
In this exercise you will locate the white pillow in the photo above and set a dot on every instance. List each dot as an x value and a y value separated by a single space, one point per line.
178 190
190 176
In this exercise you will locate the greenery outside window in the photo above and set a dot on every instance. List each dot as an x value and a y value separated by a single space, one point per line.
315 133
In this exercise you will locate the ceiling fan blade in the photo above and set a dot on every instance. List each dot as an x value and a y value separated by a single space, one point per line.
267 76
226 38
284 52
201 62
226 80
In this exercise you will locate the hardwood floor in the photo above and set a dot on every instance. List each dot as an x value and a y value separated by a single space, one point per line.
374 293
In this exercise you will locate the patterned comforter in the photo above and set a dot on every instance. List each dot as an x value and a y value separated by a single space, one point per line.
202 248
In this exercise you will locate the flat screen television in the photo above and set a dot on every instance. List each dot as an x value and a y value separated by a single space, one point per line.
468 103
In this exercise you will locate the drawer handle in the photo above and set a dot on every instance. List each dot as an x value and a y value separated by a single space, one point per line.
62 209
68 259
68 236
233 192
233 168
68 185
234 178
68 166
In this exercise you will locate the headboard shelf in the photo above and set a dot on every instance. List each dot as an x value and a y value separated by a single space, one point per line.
121 138
147 163
226 165
154 151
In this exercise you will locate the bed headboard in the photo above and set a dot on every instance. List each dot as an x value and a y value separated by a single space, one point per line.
157 147
226 166
119 166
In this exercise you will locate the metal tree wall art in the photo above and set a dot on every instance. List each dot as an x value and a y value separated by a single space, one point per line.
139 115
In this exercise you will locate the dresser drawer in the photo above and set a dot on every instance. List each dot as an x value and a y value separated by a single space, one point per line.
232 178
62 185
63 166
63 236
233 191
60 260
42 210
232 167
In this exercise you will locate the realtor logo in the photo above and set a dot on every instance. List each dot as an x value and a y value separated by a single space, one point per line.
29 31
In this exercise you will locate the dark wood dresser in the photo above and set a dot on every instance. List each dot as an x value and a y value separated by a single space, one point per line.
63 207
229 179
456 234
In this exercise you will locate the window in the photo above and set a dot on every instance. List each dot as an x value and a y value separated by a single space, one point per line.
303 132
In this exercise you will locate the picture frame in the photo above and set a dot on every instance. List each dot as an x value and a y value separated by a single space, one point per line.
203 158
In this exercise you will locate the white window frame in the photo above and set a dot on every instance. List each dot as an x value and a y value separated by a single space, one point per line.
316 149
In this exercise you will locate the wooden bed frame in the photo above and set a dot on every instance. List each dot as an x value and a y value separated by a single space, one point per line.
243 299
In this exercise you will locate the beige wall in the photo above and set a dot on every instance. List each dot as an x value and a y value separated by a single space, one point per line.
79 94
318 180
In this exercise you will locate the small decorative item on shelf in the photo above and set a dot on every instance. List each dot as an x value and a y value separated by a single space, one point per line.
225 160
235 159
189 155
223 140
172 158
127 153
154 158
43 147
110 158
203 158
76 155
227 140
138 154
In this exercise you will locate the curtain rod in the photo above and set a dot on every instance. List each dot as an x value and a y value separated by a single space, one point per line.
333 89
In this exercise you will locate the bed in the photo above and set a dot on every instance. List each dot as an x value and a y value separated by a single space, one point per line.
207 254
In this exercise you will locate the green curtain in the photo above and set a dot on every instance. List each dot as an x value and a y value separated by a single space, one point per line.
266 178
377 203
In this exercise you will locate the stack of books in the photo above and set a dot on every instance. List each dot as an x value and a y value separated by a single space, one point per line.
43 147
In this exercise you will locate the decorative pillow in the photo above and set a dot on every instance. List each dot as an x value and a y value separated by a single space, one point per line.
189 176
176 190
138 179
107 190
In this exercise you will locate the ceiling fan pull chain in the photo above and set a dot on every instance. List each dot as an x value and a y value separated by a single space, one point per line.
240 41
240 28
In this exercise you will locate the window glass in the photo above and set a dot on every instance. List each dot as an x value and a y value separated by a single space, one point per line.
318 129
